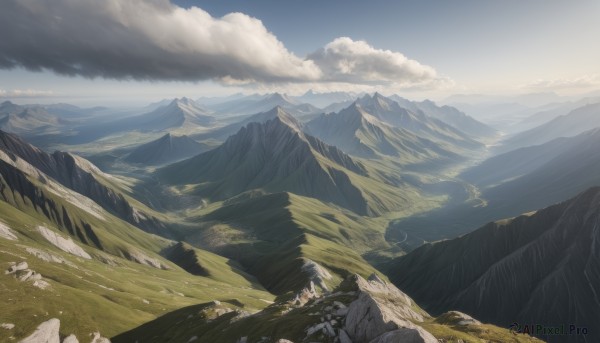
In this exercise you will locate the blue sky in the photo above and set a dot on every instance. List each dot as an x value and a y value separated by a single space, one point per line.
471 46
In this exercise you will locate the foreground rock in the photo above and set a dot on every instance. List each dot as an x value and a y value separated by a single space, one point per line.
382 313
47 332
22 273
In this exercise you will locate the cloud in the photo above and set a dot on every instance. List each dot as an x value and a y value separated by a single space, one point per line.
24 93
159 41
144 40
346 60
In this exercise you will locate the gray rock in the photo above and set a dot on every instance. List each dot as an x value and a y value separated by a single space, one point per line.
406 335
97 338
46 332
344 338
7 233
70 339
283 340
16 267
23 275
379 308
7 326
64 244
329 331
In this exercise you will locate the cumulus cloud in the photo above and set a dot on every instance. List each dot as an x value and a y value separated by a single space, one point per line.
138 39
352 61
157 40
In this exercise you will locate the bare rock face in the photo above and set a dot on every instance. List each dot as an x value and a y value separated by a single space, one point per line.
62 243
457 318
380 309
47 332
7 233
317 273
97 338
306 294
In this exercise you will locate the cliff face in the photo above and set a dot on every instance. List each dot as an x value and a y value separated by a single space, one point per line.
80 176
543 268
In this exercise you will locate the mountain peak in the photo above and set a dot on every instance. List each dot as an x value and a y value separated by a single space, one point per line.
279 114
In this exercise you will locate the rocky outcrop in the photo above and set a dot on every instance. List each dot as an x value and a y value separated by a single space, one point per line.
317 274
382 312
22 273
7 233
64 244
141 258
47 332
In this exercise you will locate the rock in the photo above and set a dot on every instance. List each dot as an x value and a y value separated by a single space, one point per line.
141 258
329 331
315 328
457 318
145 301
344 338
16 267
375 278
193 338
97 338
316 273
70 339
306 294
283 340
406 335
23 275
41 284
242 340
64 244
7 233
338 304
341 312
379 308
46 332
35 276
7 326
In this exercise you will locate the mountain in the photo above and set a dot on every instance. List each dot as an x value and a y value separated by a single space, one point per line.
571 124
358 133
449 115
278 156
182 112
83 177
325 99
222 133
390 112
506 271
255 104
166 149
27 120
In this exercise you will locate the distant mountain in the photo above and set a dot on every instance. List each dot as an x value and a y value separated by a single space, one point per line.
255 104
390 112
325 99
222 133
83 177
540 175
182 112
358 133
277 156
27 120
571 124
166 149
541 268
449 115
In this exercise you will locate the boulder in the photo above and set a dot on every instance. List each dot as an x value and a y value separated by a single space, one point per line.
379 308
16 267
7 326
70 339
46 332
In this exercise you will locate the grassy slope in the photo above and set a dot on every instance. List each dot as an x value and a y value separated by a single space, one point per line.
83 291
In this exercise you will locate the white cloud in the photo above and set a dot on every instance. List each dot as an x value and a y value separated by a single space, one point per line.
352 61
159 41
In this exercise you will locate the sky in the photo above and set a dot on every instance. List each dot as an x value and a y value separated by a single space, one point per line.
98 51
